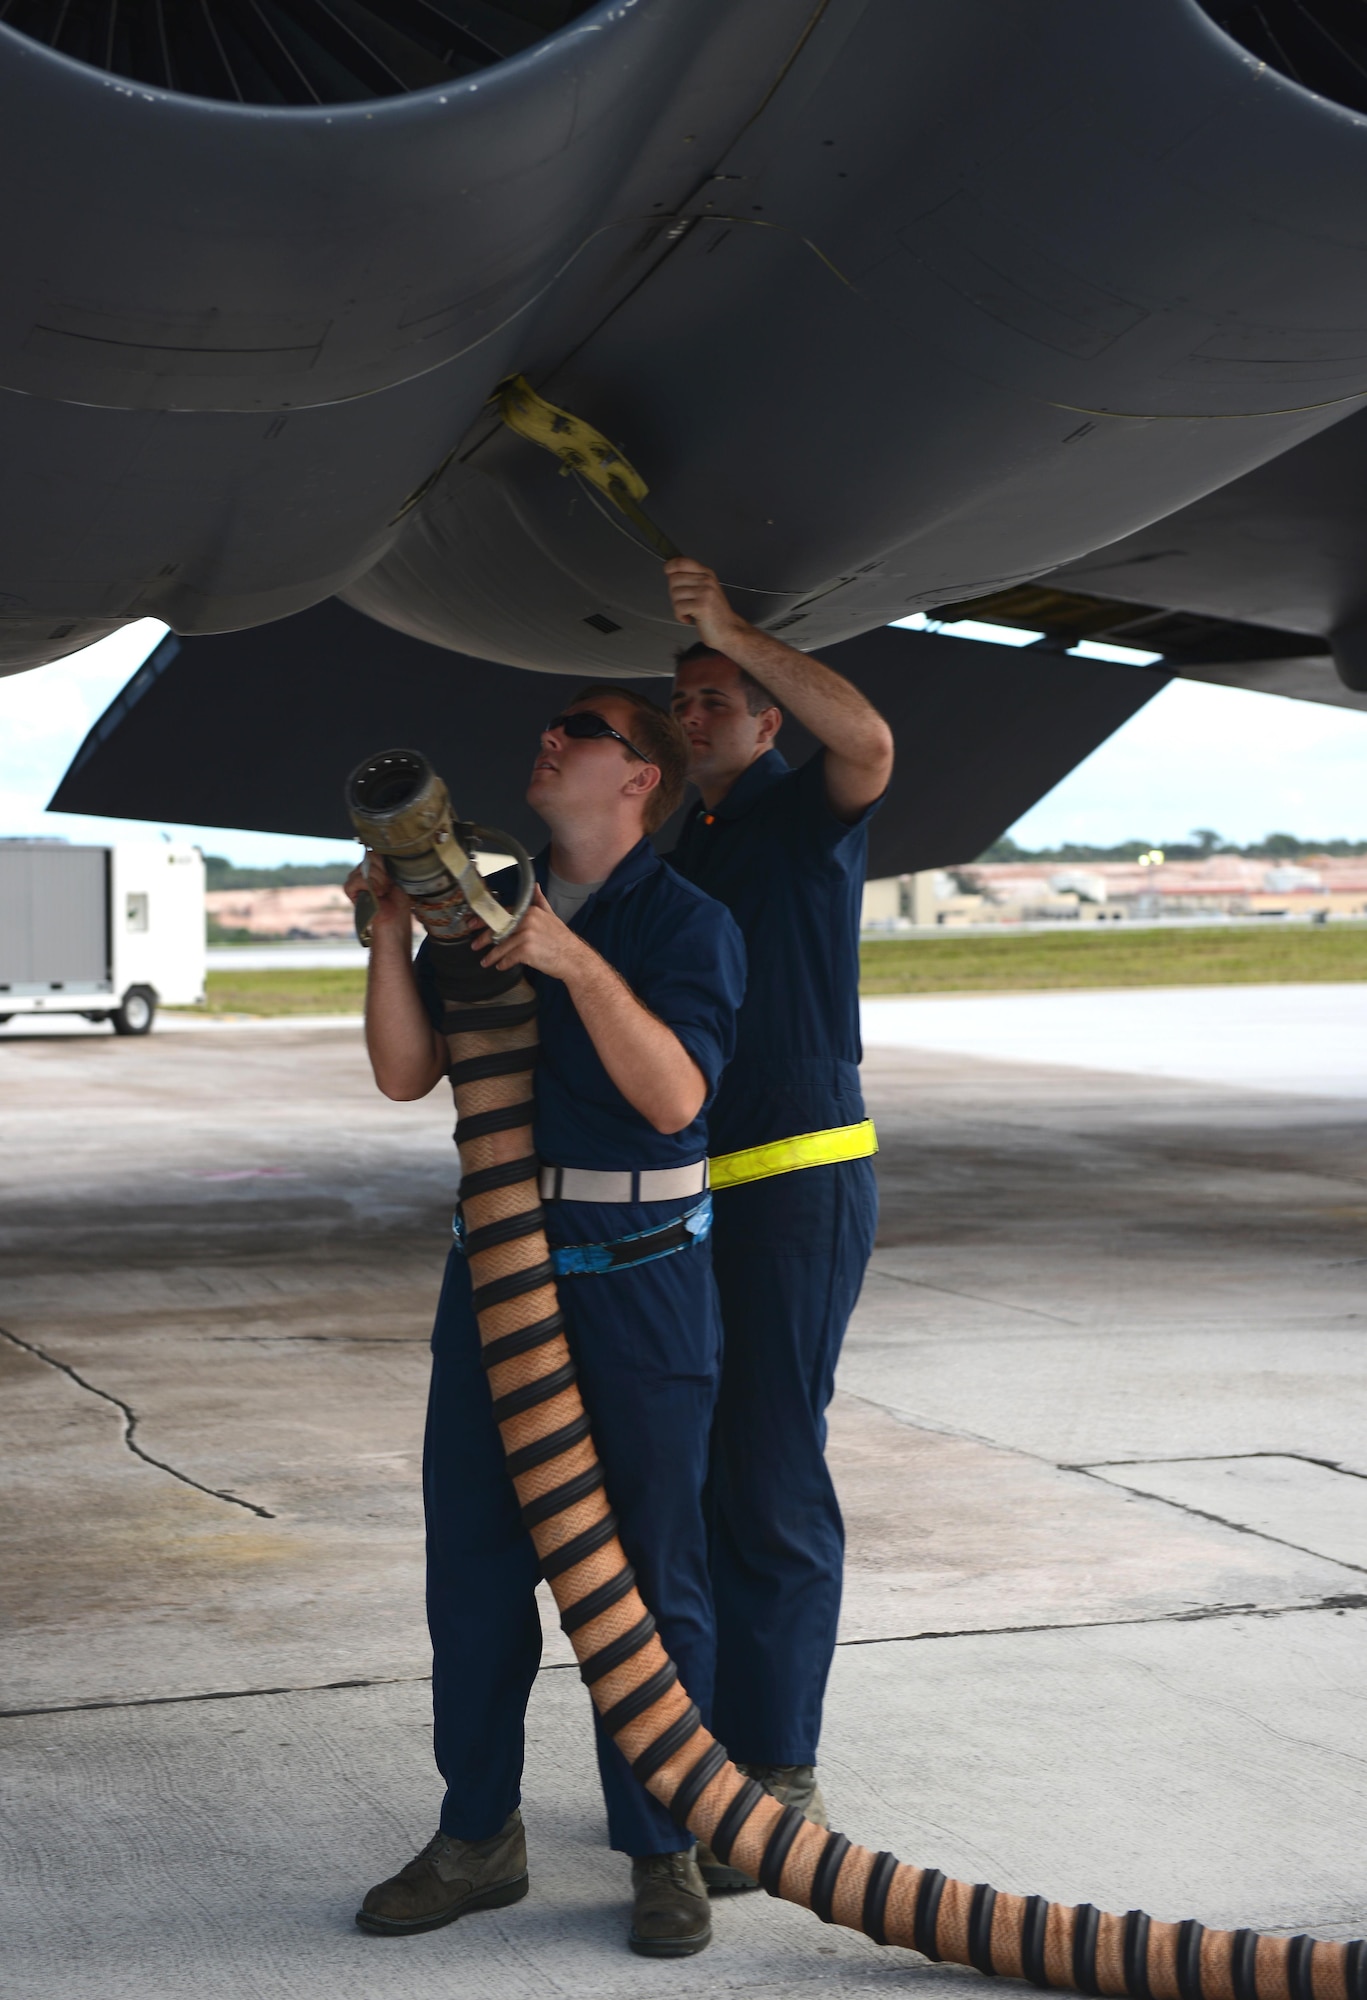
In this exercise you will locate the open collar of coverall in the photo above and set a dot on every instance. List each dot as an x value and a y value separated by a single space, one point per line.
634 866
750 786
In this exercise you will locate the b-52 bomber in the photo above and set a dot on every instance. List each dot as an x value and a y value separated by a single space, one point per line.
1035 312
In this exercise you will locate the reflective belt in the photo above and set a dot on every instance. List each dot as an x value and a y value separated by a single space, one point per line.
805 1149
638 1184
587 1260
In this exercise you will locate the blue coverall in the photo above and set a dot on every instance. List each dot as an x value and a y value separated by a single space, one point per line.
789 1252
647 1342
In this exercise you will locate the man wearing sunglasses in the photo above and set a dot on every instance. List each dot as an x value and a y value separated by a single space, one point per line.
639 976
796 1203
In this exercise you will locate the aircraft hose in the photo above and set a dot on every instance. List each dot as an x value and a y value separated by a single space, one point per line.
490 1027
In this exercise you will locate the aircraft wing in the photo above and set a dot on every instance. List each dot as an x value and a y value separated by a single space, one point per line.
260 729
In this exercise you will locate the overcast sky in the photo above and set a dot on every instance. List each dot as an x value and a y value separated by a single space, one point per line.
1245 764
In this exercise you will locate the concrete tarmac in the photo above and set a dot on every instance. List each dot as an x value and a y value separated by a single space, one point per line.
1305 1039
1101 1440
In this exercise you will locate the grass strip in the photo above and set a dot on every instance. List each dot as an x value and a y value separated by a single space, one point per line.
326 989
1044 961
1017 962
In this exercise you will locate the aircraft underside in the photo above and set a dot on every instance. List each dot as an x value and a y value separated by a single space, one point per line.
895 307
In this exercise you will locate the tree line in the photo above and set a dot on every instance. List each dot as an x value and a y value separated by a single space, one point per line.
1201 843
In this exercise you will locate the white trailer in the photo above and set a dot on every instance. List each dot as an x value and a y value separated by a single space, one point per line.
108 932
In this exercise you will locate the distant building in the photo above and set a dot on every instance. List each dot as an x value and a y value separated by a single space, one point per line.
316 910
1148 890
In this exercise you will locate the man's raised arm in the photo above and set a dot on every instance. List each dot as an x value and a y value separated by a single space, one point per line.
858 742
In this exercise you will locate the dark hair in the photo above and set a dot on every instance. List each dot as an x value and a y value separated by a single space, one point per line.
757 698
656 733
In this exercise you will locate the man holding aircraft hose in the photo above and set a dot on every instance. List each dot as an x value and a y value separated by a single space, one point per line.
638 975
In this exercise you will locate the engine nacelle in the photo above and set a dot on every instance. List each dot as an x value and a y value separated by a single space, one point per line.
891 305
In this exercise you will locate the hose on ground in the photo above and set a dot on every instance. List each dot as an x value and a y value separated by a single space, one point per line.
490 1028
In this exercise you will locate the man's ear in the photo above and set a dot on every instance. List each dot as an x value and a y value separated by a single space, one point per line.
770 721
644 778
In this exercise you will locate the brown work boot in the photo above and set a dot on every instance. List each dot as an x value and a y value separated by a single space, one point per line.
670 1917
449 1879
791 1785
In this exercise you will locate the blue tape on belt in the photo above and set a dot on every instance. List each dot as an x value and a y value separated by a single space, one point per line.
587 1260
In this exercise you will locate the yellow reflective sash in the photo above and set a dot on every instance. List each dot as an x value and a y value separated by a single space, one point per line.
784 1156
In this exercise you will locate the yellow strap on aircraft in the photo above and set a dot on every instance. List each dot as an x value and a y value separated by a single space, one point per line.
583 450
784 1156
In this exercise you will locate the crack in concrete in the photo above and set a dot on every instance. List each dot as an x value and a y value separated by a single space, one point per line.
1218 1458
1201 1614
1220 1520
915 1420
977 1298
1095 1468
213 1694
130 1425
1352 1601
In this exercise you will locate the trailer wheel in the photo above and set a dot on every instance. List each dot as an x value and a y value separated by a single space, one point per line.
136 1013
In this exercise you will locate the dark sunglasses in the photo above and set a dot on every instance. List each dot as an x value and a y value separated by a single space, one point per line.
584 723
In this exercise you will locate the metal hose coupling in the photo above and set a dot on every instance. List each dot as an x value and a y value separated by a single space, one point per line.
401 811
490 1028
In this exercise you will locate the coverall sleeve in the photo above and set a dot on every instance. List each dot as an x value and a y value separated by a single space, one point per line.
692 977
814 827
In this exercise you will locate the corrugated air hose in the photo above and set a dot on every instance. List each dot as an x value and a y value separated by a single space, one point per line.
490 1027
